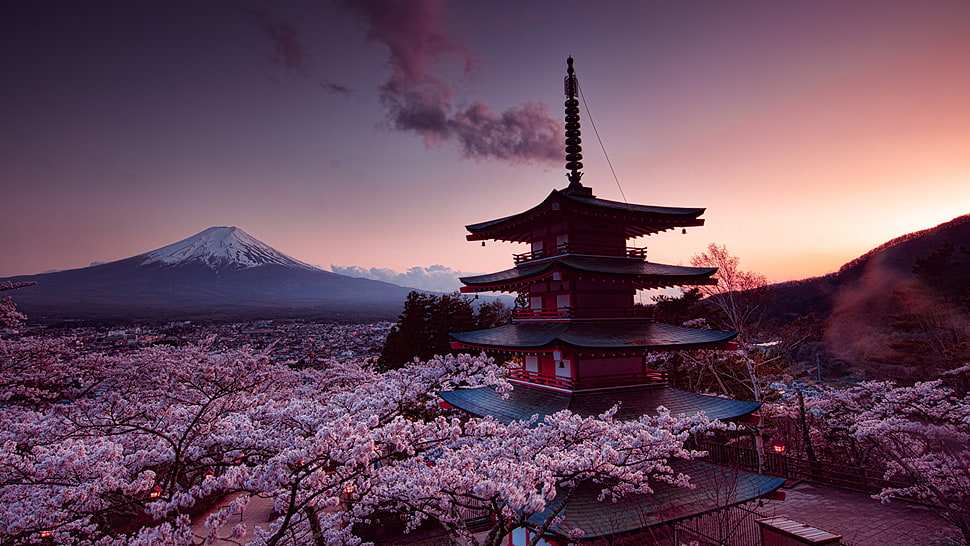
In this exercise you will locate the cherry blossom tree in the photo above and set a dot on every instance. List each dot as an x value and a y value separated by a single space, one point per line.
128 448
923 434
327 446
918 435
9 316
512 473
137 441
142 442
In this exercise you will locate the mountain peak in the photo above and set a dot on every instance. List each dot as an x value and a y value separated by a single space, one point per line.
222 247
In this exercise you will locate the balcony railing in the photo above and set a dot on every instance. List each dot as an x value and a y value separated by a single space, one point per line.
544 313
569 313
597 382
571 248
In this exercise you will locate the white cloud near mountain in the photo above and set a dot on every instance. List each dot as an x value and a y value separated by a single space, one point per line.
436 278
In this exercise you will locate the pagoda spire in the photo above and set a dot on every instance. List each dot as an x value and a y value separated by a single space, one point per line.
574 149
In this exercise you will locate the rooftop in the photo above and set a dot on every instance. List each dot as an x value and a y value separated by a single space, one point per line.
644 274
716 488
524 401
638 219
626 334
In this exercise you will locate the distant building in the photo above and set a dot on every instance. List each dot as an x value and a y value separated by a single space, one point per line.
582 342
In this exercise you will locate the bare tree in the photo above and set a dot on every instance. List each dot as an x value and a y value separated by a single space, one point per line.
741 296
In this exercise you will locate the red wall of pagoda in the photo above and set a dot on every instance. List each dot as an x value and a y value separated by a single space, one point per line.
610 366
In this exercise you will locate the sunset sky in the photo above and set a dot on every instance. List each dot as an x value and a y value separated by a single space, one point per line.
367 134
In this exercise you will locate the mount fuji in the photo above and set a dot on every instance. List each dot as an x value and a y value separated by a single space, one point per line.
221 248
222 273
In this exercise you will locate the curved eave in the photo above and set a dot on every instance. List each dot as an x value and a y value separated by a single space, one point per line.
524 401
619 335
715 488
643 274
639 220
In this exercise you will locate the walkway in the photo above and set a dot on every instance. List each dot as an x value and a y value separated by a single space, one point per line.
860 519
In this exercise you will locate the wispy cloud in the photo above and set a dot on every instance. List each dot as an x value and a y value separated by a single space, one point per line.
421 101
289 52
334 88
436 278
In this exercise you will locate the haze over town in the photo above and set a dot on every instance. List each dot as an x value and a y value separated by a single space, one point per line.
812 132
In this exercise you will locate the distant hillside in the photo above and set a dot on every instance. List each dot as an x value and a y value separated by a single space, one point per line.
894 259
222 273
878 318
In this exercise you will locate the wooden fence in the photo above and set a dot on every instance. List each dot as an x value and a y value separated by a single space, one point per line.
785 466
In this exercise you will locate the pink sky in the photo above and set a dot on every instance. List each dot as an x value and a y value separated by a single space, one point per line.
369 136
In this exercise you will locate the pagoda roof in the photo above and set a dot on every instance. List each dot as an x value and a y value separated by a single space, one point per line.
715 488
607 334
524 401
638 219
644 274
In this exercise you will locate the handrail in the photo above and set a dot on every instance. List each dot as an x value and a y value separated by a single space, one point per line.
569 313
651 377
542 313
540 378
572 248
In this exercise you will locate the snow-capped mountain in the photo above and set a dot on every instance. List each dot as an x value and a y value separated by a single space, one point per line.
221 247
220 273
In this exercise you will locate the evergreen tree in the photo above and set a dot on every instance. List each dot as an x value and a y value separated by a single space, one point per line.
677 310
423 328
407 338
492 314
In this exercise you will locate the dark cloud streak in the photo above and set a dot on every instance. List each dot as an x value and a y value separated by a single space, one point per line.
334 88
290 52
419 101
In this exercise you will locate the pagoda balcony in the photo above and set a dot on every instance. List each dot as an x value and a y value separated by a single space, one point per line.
587 383
587 250
563 314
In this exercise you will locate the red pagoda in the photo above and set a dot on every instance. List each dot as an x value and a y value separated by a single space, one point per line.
581 343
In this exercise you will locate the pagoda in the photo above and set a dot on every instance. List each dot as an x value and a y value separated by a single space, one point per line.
582 343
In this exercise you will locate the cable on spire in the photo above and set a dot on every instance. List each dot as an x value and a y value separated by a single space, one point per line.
602 146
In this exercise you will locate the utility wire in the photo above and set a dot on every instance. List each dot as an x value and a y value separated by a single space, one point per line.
597 133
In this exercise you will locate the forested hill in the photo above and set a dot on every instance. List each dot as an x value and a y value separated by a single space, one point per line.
879 269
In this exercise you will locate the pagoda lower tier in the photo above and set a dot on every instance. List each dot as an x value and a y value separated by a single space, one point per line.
592 336
524 401
577 355
715 488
